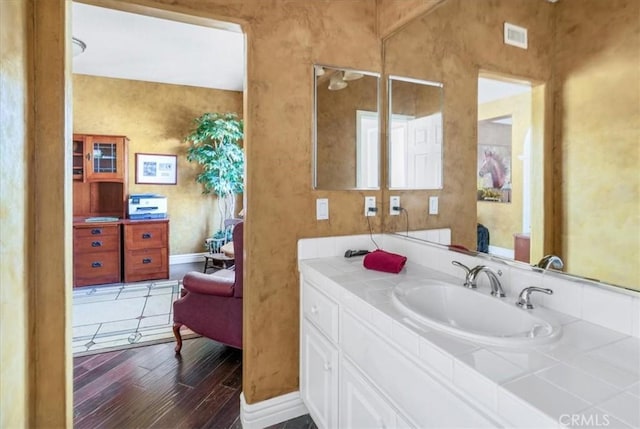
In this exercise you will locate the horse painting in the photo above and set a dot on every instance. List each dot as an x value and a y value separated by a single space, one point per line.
494 164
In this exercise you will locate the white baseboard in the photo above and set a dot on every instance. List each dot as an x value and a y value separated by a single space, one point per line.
272 411
186 258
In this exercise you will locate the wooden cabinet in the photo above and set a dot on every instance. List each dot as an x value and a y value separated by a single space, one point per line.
112 252
99 175
96 254
146 250
99 158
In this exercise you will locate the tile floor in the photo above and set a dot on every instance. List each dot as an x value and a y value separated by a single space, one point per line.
109 317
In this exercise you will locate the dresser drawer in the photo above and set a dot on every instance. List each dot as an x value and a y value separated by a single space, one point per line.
146 264
96 243
96 268
321 310
145 235
96 231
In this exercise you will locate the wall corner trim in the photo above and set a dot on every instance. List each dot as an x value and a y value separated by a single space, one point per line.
271 411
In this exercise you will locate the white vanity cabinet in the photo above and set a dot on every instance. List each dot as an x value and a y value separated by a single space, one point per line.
361 406
319 356
353 377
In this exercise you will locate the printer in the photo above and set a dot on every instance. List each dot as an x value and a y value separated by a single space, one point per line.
147 206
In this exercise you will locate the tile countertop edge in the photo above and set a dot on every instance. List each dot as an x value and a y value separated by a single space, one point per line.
430 354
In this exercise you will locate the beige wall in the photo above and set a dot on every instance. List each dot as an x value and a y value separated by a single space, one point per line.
336 133
452 44
14 210
505 219
283 35
156 118
392 14
598 135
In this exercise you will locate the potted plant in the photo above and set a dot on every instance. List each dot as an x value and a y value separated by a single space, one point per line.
213 143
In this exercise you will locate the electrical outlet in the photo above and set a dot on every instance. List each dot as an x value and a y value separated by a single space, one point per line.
322 208
394 202
369 203
433 205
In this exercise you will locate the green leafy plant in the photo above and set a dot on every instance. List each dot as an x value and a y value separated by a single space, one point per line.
213 143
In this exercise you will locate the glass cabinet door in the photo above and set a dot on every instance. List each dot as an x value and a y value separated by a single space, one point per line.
105 158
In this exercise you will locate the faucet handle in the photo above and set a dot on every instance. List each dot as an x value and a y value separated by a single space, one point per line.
466 269
467 272
524 299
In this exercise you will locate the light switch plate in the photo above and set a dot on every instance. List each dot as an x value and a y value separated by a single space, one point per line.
433 205
369 202
394 202
322 208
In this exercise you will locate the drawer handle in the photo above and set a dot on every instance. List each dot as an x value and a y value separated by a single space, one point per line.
96 244
146 235
96 265
96 231
327 366
146 261
314 309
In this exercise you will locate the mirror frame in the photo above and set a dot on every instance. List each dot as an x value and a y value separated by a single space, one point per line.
390 79
314 128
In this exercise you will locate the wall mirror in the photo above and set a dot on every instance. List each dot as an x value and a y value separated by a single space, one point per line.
346 129
582 158
415 134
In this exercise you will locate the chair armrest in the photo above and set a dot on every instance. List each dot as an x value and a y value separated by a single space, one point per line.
219 283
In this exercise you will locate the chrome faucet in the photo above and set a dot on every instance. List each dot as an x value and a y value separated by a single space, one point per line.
471 275
524 299
467 270
496 287
550 261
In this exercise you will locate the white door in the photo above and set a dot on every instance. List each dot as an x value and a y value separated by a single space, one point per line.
425 152
367 150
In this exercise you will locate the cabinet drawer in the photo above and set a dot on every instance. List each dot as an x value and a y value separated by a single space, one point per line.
96 243
321 310
96 231
96 268
146 261
145 235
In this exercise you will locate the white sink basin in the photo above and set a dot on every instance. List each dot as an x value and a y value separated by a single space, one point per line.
475 315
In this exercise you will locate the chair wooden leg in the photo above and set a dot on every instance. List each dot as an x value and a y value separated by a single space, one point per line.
176 333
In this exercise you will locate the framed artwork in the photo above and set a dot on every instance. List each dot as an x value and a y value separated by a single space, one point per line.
156 169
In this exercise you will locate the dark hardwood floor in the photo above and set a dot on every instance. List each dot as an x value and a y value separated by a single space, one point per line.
151 387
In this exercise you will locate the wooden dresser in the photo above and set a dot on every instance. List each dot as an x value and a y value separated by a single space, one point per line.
146 250
118 250
96 253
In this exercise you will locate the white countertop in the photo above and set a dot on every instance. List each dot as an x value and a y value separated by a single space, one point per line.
591 373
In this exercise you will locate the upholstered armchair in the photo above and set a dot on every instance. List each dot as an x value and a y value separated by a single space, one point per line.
211 304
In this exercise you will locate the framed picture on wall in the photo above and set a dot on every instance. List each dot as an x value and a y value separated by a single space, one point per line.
156 169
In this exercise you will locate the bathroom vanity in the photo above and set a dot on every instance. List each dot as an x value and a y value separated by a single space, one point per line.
367 360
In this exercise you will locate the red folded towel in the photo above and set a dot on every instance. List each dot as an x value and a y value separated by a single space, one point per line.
381 260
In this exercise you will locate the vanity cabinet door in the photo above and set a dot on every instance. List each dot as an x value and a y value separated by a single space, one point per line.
319 377
361 407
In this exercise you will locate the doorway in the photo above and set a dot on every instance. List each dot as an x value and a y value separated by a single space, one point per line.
505 180
153 104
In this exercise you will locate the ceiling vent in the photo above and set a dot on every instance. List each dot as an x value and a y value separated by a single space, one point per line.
515 36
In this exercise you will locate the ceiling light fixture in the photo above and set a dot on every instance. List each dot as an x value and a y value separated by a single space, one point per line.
78 46
337 82
352 75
